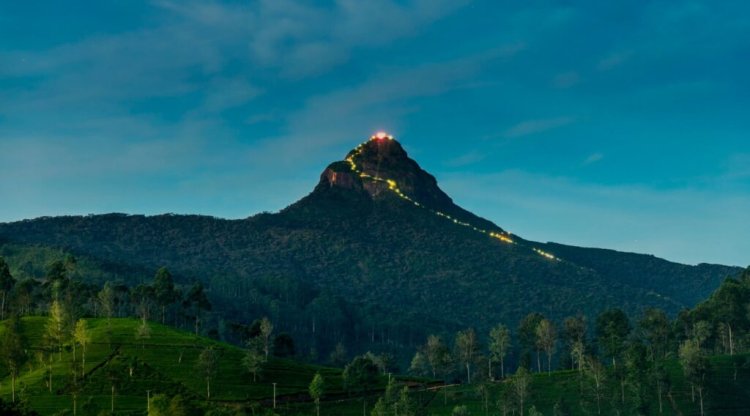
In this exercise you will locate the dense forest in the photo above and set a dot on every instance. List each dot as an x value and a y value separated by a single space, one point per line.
619 363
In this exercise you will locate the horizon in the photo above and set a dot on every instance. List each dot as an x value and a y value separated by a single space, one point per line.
619 126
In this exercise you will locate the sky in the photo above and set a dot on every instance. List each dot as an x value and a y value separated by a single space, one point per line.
617 124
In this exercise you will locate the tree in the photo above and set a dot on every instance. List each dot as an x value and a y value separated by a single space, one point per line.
636 372
577 354
106 298
56 326
546 336
12 351
462 410
405 405
360 373
655 327
266 328
520 385
283 346
197 302
419 365
695 366
527 337
730 308
208 362
6 285
595 375
142 298
254 358
164 290
574 337
386 404
499 345
438 356
317 389
143 332
338 356
612 329
161 405
82 336
467 348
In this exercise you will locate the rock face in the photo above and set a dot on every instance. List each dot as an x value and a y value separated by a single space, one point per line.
381 166
347 180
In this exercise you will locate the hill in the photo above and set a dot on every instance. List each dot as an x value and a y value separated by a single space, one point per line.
163 363
376 256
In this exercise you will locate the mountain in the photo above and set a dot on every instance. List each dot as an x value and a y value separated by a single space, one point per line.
377 256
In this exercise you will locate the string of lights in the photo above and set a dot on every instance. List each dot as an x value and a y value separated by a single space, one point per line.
503 236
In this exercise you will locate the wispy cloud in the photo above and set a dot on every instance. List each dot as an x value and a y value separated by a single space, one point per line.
380 102
593 158
613 60
466 159
529 127
566 79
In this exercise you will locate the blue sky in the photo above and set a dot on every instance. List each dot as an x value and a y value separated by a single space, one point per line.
619 124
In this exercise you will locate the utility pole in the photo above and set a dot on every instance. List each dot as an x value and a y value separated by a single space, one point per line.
148 401
274 395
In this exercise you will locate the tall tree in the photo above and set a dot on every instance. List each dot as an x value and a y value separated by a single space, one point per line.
574 336
12 351
197 302
266 328
82 336
208 363
612 329
419 365
520 385
499 345
636 376
142 298
438 356
164 290
317 389
56 330
655 328
106 298
695 366
254 358
143 333
596 376
360 374
467 348
6 285
546 337
527 337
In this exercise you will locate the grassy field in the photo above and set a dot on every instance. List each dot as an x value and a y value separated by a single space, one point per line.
164 363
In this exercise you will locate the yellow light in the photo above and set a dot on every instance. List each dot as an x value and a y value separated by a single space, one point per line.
381 135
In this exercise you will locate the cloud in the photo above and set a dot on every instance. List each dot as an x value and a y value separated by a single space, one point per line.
613 60
529 127
302 40
593 158
466 159
226 93
566 79
346 115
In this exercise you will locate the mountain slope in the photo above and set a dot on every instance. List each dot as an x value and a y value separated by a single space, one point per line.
377 253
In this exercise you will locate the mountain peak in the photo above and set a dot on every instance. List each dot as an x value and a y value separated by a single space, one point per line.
381 167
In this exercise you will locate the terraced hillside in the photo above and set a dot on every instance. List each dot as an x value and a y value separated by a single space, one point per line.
163 363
